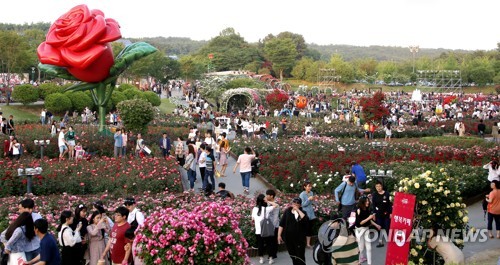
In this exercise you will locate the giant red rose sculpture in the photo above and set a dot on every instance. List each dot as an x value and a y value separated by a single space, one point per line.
78 40
77 48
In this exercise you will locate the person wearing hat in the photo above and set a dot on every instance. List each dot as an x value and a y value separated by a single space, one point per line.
135 217
292 231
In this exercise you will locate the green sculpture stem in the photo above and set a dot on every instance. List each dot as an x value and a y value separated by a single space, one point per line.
101 97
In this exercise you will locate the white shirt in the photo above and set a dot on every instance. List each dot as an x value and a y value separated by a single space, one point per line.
203 157
70 238
137 215
257 218
60 139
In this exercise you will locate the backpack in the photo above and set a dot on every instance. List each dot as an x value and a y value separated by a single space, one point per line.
134 224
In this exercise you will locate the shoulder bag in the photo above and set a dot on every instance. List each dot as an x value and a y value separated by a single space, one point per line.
266 226
340 196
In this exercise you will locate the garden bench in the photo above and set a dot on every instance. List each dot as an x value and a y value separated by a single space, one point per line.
379 144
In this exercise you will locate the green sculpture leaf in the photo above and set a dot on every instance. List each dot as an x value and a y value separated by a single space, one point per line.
82 86
129 55
56 71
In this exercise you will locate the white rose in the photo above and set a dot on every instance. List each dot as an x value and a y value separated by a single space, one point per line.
291 185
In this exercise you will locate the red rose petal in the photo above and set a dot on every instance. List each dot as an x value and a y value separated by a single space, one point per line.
50 55
82 59
112 31
94 31
96 12
76 37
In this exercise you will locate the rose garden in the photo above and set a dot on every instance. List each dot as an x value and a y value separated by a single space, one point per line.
444 171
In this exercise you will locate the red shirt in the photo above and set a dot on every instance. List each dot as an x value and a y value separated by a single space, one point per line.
118 242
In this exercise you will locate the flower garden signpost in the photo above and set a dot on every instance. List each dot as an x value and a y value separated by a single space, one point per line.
78 48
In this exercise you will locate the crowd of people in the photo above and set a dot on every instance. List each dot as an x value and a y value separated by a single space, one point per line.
84 237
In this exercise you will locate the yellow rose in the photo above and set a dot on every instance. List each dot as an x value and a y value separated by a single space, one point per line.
417 185
452 205
424 202
438 213
465 219
460 214
421 261
441 170
414 252
419 247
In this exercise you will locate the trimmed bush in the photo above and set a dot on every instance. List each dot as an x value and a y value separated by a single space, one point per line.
152 98
49 88
116 98
58 103
124 87
136 114
25 94
80 100
133 93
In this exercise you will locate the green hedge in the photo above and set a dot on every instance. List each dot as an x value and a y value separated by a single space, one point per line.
58 103
25 94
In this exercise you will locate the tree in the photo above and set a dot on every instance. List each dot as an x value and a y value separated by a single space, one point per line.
373 107
14 53
282 54
80 100
230 52
158 66
190 68
342 68
136 114
301 67
25 94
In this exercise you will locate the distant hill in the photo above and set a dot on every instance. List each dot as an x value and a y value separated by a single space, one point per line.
182 46
173 45
380 53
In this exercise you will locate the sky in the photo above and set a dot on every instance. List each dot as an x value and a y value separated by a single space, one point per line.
450 24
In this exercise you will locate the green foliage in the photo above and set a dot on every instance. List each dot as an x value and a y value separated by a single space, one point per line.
132 93
136 114
282 54
157 65
25 94
80 100
230 51
14 52
191 68
152 98
242 82
58 103
117 97
49 88
123 87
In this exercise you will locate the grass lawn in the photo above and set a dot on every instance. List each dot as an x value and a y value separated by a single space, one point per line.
166 106
22 113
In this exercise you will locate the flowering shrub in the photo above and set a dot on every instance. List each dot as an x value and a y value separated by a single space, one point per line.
373 108
438 203
277 99
97 175
203 234
286 163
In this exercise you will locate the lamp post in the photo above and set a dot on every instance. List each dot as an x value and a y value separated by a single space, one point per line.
42 144
32 74
414 50
29 173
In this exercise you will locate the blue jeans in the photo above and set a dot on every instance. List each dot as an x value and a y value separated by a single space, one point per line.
191 174
209 174
245 179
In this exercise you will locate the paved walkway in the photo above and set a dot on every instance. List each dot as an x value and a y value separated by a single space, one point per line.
233 184
232 180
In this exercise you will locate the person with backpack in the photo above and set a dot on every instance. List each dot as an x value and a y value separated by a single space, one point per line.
260 212
68 238
135 217
346 194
